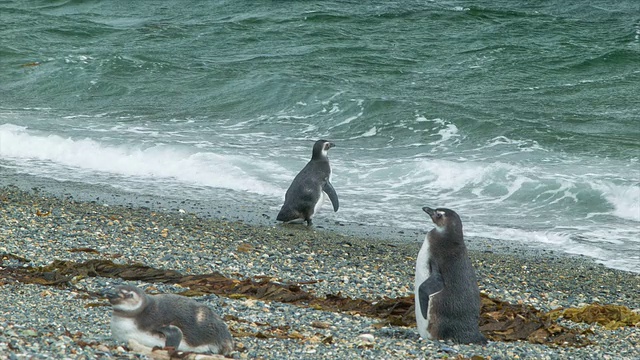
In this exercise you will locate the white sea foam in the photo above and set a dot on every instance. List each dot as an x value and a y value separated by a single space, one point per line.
445 130
561 240
453 176
521 145
370 132
335 108
624 199
72 59
10 128
446 134
154 162
435 178
565 189
359 103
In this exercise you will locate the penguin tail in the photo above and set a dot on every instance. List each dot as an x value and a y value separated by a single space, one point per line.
474 338
287 214
481 340
227 347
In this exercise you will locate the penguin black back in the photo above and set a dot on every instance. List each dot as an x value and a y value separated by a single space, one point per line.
184 323
305 194
447 293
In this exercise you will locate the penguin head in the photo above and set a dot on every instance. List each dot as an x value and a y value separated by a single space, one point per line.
126 298
445 219
321 149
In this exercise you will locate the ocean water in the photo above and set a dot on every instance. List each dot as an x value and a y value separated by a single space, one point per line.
522 116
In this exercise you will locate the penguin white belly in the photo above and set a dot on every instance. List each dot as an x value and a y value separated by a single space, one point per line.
125 329
422 274
200 349
323 197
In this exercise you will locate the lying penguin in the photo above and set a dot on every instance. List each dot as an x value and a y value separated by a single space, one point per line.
307 190
447 298
167 320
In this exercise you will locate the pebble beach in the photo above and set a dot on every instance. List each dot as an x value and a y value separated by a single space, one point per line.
72 321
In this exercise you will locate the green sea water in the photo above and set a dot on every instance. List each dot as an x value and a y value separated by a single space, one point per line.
522 116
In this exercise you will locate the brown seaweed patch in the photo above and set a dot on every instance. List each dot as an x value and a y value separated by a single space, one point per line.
397 311
61 273
502 321
7 256
65 270
610 317
264 289
43 213
499 321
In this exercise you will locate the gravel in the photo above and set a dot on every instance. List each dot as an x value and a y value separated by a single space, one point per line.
45 322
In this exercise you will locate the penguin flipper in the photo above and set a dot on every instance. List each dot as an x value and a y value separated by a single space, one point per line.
433 285
329 190
173 336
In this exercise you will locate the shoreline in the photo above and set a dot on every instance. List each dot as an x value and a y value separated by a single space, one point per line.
265 216
41 226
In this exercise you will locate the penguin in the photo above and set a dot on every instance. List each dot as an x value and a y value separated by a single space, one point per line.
167 320
309 188
447 298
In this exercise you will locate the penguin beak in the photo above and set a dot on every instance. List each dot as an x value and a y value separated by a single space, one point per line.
331 145
111 293
431 212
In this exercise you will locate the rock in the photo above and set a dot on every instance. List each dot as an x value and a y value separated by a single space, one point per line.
366 338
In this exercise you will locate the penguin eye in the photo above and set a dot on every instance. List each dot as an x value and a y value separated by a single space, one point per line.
439 214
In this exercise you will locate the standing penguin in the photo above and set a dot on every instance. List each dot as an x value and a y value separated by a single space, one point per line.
167 320
447 298
308 189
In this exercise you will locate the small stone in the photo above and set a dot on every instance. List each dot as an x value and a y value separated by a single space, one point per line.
320 324
366 338
29 332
